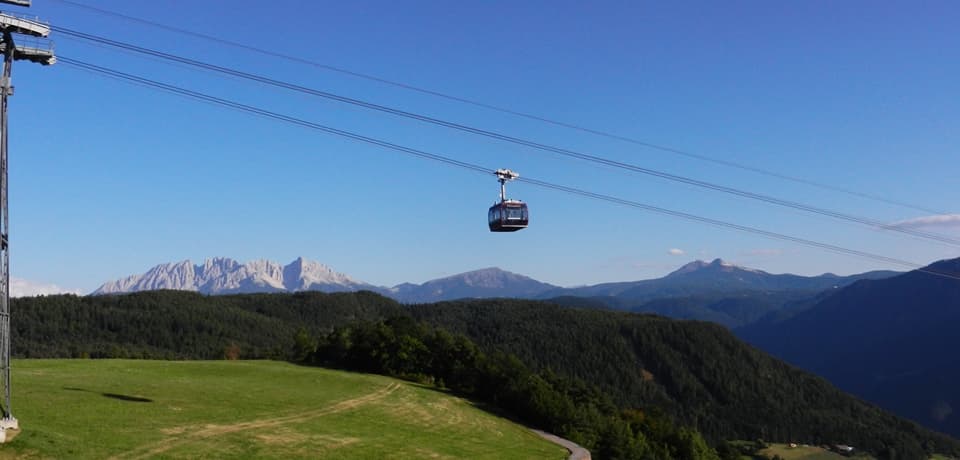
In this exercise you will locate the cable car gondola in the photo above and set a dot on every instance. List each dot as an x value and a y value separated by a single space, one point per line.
507 215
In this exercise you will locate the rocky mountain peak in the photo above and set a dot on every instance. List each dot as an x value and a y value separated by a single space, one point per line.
488 277
692 267
716 265
222 275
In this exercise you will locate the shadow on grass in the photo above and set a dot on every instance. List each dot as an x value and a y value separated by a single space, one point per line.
113 395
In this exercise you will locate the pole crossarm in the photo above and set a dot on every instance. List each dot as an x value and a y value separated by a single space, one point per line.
36 52
23 26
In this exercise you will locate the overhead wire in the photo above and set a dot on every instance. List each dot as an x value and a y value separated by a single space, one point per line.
512 139
501 109
142 81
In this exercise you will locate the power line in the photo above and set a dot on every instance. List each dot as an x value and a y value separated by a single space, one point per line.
484 170
596 132
515 140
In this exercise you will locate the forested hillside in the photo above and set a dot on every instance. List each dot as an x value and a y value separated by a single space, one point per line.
182 325
891 341
572 408
696 373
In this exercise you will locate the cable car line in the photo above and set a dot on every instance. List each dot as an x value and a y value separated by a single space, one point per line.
515 140
572 126
262 112
731 225
103 71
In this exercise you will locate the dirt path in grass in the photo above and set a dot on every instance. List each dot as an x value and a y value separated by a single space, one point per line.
180 436
576 452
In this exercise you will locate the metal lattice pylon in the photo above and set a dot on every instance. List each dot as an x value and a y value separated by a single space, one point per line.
9 26
5 90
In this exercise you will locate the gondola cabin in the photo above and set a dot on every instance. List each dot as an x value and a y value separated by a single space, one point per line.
508 216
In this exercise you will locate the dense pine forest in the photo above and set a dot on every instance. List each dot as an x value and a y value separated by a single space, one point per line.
182 325
696 371
403 347
622 369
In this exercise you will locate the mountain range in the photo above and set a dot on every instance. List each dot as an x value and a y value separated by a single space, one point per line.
711 278
715 291
222 275
701 290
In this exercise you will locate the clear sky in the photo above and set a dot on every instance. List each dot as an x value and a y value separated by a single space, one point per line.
109 179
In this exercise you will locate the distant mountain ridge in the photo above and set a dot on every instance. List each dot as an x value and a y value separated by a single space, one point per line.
700 284
700 277
487 282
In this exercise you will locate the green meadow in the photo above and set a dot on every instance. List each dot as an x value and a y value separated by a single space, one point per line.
131 409
799 453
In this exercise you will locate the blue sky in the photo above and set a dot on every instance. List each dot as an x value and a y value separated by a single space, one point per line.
108 179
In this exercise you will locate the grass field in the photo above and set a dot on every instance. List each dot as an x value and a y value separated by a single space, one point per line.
800 453
246 409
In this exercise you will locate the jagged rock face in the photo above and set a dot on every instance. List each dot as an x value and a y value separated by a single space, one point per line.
178 275
307 275
223 275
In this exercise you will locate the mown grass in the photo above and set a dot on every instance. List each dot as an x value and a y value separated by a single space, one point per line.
246 409
805 453
799 453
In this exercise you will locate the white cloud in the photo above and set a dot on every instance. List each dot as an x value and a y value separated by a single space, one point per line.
676 252
24 288
940 220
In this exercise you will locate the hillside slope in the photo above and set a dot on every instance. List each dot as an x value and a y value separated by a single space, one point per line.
699 372
890 341
96 409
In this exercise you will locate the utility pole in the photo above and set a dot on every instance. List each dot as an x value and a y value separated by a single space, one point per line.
27 31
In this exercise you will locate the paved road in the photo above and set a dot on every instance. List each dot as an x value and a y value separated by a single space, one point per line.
576 452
